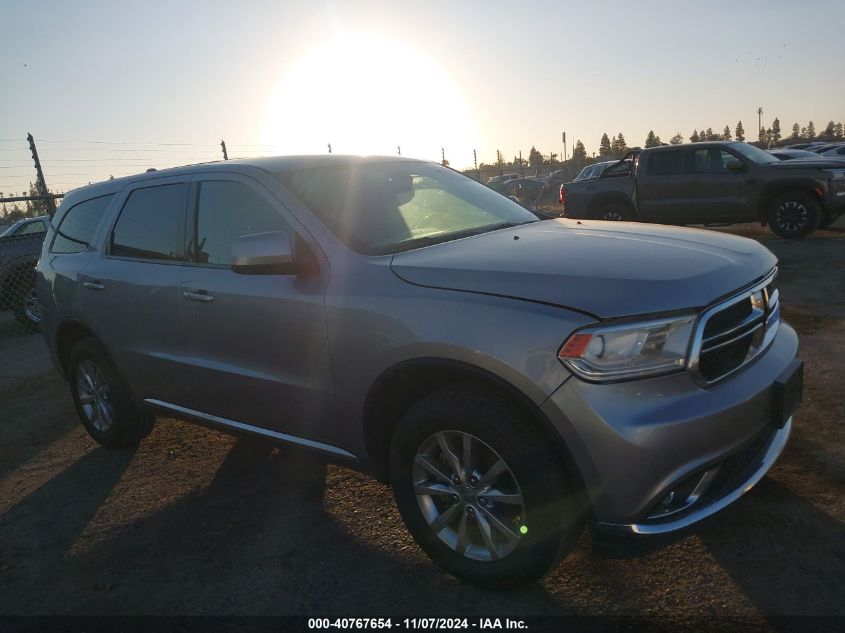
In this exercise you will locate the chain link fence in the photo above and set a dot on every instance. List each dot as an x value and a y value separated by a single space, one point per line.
22 351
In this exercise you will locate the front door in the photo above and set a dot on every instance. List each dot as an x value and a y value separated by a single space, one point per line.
720 194
257 343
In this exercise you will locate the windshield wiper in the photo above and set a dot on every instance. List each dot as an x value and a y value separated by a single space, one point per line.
430 240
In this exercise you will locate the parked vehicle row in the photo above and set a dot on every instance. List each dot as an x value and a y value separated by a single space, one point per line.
404 319
714 183
20 246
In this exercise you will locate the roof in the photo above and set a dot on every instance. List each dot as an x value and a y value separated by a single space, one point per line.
270 164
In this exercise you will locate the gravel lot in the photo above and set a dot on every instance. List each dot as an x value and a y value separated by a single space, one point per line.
197 522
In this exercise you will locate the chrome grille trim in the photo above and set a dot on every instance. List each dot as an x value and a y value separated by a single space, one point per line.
761 326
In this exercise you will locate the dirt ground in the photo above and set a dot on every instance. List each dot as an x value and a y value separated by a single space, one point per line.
197 522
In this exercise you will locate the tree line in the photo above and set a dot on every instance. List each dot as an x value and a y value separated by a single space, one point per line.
614 148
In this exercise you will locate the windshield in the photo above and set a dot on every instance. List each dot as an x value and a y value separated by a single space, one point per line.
754 154
381 208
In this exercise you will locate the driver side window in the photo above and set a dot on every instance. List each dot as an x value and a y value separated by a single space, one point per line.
225 211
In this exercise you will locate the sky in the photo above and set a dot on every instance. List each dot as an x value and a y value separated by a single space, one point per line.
110 88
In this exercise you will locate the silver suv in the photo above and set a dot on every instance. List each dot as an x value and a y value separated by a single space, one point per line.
513 379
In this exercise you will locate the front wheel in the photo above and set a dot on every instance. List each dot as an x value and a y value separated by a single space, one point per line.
480 489
28 310
794 214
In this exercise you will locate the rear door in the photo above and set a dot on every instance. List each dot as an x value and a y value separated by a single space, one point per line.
258 343
664 187
130 291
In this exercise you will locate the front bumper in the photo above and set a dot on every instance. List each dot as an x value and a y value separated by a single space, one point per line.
717 500
637 443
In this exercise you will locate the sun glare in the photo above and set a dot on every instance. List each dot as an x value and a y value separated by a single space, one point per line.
367 95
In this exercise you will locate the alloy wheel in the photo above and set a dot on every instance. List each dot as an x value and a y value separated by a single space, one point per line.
32 307
613 216
792 216
469 496
94 396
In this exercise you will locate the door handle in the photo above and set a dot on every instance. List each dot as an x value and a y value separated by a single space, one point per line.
93 285
201 296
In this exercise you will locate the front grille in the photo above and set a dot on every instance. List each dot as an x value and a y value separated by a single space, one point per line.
733 332
723 360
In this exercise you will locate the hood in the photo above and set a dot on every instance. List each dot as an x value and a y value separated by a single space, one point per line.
601 268
822 162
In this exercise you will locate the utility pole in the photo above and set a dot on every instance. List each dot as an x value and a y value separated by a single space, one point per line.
42 185
443 156
563 138
521 164
330 148
759 121
223 145
475 161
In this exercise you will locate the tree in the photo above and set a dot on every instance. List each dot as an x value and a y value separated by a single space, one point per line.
651 140
796 132
740 132
604 145
677 139
535 158
579 153
761 135
618 146
499 160
712 136
775 130
726 134
811 130
829 130
36 207
837 130
694 138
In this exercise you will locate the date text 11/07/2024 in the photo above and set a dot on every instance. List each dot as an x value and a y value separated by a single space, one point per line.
417 623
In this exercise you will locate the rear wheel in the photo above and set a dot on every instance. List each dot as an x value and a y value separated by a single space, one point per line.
794 214
614 212
481 491
102 399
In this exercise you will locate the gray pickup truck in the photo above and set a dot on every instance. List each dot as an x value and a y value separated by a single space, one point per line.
20 247
713 183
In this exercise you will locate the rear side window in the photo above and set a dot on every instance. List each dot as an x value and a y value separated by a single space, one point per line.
78 225
666 163
228 210
151 224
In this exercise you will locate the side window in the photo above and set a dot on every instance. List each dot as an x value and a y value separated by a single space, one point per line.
711 161
78 225
620 169
669 163
151 224
227 210
32 227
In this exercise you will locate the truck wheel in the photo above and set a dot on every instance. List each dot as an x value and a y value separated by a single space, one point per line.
613 212
794 214
480 489
28 309
102 399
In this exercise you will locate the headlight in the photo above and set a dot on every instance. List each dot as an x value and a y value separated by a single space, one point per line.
630 350
836 174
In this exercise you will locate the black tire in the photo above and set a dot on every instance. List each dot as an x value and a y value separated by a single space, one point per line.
129 423
794 214
613 211
27 310
552 505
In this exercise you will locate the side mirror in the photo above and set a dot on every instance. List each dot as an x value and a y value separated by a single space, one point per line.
735 166
263 254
